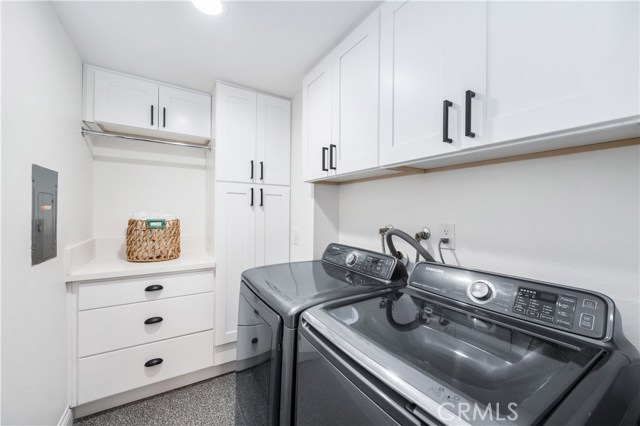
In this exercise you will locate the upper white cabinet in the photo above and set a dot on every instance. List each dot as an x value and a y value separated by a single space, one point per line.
185 112
128 104
463 81
252 136
124 100
316 122
355 98
340 106
552 66
421 65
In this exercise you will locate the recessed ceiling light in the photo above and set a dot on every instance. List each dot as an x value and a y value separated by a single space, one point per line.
210 7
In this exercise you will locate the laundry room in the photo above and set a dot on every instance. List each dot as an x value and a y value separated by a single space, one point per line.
320 213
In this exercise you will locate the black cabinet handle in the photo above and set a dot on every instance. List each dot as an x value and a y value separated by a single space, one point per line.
445 121
261 197
153 362
254 340
251 174
153 320
324 159
251 203
332 148
152 115
469 94
262 170
164 117
155 287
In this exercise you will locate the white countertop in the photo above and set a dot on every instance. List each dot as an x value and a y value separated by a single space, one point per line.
117 268
97 260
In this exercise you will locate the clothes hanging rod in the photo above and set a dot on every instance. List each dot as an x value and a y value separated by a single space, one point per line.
141 139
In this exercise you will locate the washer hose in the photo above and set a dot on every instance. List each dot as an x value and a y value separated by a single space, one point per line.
417 322
413 243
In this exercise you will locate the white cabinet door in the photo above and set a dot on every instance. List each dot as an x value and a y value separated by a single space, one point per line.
235 236
235 134
421 63
554 66
128 101
273 140
355 98
272 225
316 120
185 112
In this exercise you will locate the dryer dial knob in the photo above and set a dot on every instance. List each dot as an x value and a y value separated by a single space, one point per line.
352 258
480 290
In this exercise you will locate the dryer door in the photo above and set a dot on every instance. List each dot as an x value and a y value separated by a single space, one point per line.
258 362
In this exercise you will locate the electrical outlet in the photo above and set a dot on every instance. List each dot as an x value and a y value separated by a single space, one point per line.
448 230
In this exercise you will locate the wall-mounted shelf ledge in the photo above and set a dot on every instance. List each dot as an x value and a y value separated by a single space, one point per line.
86 131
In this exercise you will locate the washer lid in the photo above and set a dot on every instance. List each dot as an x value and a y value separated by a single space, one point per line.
290 288
446 360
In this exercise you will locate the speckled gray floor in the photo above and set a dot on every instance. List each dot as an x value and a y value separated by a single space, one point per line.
211 402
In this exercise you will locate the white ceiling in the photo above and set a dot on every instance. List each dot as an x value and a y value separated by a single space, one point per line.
265 45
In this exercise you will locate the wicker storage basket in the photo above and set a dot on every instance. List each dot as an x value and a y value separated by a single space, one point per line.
153 240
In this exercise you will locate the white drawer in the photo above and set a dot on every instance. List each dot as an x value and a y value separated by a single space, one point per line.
110 293
118 327
103 375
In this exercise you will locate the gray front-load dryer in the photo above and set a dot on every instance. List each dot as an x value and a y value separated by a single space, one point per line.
272 299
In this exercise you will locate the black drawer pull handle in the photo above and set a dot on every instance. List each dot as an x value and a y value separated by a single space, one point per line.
261 197
155 287
164 117
251 174
153 362
152 115
251 202
262 170
153 320
254 340
324 159
469 94
445 121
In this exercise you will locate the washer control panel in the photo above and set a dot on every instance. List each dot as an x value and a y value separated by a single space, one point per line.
377 265
568 309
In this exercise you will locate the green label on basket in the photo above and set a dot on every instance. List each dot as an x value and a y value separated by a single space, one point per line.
155 223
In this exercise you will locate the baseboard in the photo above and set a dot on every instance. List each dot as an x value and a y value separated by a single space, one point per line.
150 390
67 417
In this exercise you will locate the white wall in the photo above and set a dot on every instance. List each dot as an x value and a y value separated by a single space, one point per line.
125 187
572 219
301 193
41 110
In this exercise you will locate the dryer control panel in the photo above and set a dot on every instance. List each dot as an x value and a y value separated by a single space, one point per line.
563 308
377 265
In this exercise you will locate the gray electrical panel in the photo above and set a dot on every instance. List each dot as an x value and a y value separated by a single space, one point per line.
44 217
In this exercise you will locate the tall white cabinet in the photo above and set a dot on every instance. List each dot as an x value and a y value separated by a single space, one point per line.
251 196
